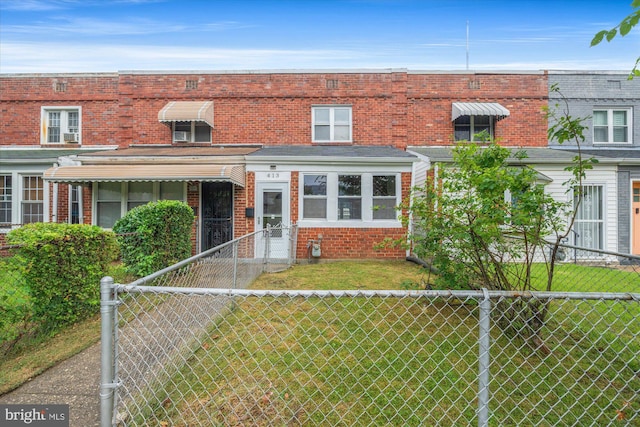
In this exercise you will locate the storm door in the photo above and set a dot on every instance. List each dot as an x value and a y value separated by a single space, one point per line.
217 214
272 203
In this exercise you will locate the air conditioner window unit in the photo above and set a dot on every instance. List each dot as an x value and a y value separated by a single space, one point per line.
181 136
70 137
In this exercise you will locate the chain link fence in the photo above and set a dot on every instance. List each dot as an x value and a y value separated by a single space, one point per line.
193 346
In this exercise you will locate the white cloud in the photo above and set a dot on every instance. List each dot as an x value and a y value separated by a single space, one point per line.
97 28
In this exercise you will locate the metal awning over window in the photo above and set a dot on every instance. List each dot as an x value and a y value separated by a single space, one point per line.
187 111
152 172
478 109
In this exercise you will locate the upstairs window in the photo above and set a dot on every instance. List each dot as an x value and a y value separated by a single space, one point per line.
190 121
191 132
611 126
331 124
473 128
61 125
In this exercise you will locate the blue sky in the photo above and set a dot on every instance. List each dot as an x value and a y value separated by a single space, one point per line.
40 36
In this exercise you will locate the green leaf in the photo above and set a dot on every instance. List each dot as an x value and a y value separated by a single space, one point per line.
611 34
625 27
598 38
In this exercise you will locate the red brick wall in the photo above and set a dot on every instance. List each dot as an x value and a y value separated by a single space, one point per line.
21 99
259 108
397 109
430 97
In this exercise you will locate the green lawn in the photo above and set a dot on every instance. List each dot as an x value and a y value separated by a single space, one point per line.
389 361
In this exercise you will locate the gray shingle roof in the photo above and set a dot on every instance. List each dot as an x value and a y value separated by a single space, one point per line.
352 151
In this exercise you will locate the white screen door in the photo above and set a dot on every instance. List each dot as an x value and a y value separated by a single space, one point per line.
272 209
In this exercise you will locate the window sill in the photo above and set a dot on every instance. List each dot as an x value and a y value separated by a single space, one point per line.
307 223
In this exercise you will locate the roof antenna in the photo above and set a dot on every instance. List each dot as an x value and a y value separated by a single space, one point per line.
467 45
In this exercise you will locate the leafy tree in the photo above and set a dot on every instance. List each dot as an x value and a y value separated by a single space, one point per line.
482 222
623 29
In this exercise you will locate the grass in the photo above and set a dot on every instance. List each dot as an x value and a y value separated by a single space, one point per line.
38 356
388 361
33 355
384 361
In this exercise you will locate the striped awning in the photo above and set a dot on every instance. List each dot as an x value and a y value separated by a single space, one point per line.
478 109
147 172
187 111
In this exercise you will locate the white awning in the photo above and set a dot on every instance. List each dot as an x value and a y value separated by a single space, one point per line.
187 111
478 109
147 172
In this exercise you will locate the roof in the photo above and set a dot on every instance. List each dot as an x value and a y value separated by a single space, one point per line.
173 152
534 154
608 152
40 155
340 151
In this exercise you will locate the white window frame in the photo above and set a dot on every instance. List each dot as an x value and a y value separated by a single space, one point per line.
366 197
599 222
124 197
64 124
332 123
472 132
28 202
313 197
192 133
75 191
7 195
610 126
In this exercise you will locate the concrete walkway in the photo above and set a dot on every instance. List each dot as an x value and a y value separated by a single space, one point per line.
75 382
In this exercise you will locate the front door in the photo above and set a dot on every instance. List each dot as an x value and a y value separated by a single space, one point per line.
217 214
635 218
272 209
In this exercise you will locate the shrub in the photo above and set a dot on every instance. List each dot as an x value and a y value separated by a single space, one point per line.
63 265
155 236
15 304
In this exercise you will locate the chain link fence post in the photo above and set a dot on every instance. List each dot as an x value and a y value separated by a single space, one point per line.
107 368
484 342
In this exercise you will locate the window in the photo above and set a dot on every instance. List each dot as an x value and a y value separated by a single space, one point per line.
363 199
331 124
384 197
61 125
473 128
612 126
75 204
5 199
140 193
114 199
589 224
349 197
314 201
191 132
32 199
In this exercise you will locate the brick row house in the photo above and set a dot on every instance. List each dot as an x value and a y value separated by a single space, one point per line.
332 151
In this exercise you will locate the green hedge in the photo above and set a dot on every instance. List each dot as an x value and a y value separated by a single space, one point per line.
63 265
155 236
